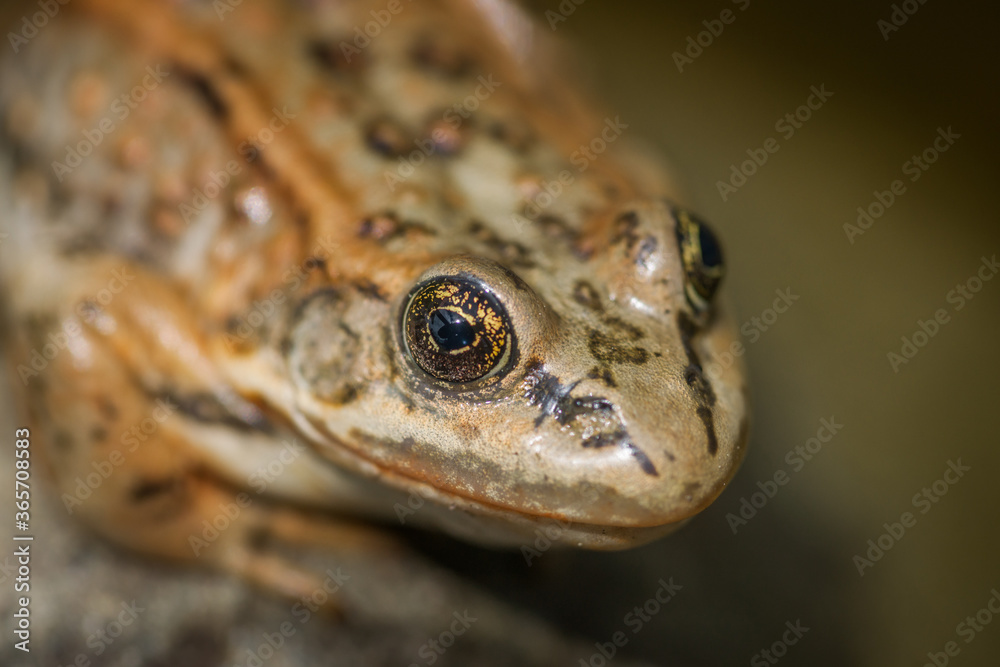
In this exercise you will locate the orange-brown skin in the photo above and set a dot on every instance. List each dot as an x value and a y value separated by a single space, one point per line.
261 287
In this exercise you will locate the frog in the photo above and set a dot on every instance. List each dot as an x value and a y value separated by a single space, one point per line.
280 273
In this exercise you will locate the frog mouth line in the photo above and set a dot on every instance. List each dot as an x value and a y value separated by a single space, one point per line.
390 471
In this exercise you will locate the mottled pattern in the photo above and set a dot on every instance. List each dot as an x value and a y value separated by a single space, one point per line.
219 216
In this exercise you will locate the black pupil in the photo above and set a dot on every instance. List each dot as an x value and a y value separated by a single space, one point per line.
711 254
450 330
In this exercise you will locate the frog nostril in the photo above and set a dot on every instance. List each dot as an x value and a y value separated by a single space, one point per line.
692 375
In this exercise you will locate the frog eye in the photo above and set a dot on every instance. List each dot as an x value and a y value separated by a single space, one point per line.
455 330
701 255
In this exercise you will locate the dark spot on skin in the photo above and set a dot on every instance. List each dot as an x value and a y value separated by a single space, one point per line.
607 350
515 134
706 419
235 67
602 373
633 332
695 378
556 400
690 488
646 248
586 295
556 228
258 538
433 54
62 441
348 330
107 408
544 390
620 439
331 58
516 280
446 139
369 289
382 227
315 264
209 409
694 374
343 395
582 249
624 229
604 439
511 252
98 434
387 138
378 227
571 408
206 91
147 489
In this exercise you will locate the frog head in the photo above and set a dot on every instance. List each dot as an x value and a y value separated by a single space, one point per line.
583 387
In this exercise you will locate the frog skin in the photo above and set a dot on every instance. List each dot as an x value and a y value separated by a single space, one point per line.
411 268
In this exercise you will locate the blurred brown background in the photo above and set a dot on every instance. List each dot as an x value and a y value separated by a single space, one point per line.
826 357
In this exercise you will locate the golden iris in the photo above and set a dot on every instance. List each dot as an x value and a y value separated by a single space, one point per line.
701 255
455 330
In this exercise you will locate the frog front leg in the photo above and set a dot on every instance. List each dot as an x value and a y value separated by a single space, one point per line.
138 429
